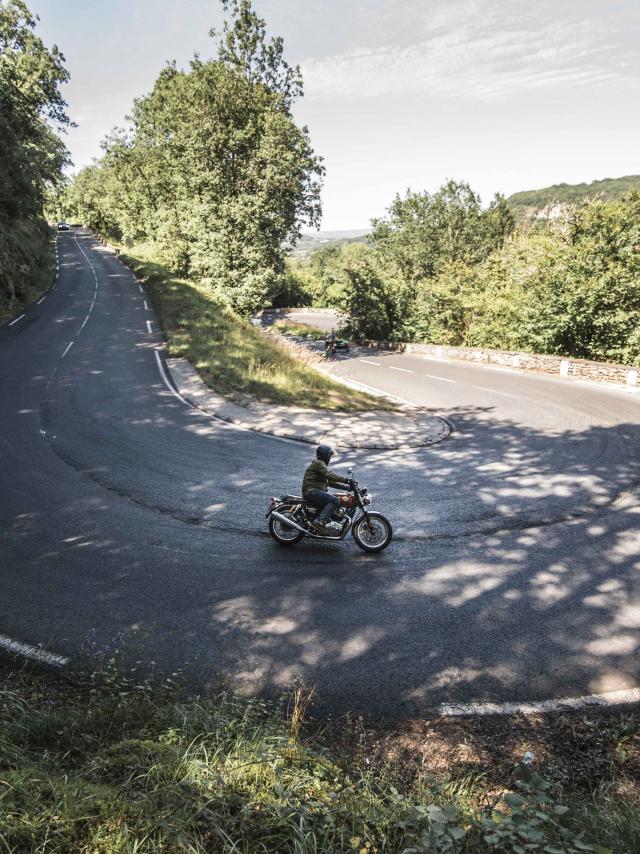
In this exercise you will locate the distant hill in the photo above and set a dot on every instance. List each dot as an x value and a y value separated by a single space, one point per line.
532 202
312 241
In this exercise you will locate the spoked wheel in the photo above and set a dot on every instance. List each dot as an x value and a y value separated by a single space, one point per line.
373 535
281 532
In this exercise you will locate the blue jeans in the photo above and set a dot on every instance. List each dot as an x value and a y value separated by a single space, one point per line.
326 503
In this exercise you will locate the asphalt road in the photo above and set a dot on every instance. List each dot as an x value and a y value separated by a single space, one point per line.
514 574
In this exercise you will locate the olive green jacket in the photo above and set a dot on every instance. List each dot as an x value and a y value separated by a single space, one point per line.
318 476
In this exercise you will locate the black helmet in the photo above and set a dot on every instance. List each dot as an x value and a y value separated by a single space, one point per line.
324 453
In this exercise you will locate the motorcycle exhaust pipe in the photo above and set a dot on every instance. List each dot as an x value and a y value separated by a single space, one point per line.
289 522
306 531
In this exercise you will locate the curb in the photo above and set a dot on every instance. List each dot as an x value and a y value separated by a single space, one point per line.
192 389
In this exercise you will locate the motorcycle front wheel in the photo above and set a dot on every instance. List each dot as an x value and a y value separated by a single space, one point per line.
283 534
374 534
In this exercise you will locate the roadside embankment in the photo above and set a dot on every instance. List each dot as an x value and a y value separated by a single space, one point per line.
233 357
26 264
115 762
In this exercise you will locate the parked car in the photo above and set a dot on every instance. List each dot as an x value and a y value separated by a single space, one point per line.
62 226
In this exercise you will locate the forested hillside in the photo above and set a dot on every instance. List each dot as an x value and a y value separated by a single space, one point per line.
213 170
530 202
32 154
441 269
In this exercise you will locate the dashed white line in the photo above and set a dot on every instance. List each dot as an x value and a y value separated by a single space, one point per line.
17 319
68 347
140 288
442 379
33 652
494 391
369 362
149 329
146 307
404 370
42 299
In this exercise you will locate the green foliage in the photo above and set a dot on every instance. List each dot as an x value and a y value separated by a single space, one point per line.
574 291
609 189
422 231
117 763
442 270
213 170
372 301
31 153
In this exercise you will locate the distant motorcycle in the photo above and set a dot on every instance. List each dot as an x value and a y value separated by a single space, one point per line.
290 520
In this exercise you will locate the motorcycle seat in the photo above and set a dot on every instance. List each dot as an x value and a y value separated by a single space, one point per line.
297 498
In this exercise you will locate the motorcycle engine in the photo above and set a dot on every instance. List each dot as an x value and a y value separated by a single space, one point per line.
339 513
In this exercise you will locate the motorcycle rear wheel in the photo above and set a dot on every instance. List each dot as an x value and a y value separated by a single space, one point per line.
281 533
373 535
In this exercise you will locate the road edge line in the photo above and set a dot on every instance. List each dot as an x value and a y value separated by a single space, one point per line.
32 652
608 699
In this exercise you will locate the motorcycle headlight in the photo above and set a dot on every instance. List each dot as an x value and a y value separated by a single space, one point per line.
367 499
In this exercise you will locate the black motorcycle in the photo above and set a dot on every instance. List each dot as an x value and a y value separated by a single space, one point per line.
290 520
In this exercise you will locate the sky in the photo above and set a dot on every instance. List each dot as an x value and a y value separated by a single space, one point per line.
506 94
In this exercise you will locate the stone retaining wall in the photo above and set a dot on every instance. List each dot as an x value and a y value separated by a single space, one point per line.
555 365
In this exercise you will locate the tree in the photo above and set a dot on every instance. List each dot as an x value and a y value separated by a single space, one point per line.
422 231
214 170
32 154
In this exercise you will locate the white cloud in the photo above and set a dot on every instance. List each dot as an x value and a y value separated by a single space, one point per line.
488 60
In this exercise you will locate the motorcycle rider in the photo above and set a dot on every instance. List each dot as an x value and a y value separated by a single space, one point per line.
330 344
317 478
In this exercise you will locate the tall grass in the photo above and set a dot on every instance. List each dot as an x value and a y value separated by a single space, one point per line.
119 765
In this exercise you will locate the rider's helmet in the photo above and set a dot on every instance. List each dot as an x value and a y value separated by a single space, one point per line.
324 453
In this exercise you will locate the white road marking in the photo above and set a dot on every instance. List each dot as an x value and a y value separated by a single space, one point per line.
16 320
146 307
404 370
149 329
442 379
42 299
32 652
165 379
140 288
369 362
610 698
69 346
95 291
494 391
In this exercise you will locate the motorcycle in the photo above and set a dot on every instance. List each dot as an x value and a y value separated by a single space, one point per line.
290 520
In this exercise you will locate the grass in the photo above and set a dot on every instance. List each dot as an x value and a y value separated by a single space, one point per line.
27 262
230 354
113 763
